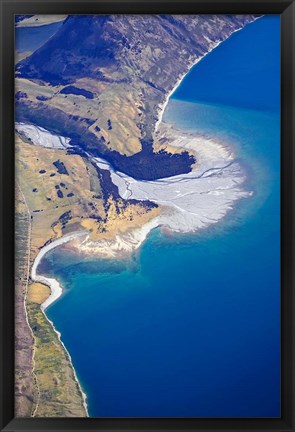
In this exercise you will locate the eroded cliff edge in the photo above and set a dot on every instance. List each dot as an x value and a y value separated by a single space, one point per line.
102 83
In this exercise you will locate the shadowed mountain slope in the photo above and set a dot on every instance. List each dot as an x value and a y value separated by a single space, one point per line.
103 80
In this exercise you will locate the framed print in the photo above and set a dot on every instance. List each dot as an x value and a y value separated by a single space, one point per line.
147 216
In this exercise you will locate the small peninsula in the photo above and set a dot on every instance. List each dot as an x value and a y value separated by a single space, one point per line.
96 166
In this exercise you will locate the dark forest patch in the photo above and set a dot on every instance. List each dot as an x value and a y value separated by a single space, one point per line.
77 91
60 166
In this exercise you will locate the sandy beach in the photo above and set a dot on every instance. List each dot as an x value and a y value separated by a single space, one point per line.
188 202
84 396
121 247
194 200
191 64
56 292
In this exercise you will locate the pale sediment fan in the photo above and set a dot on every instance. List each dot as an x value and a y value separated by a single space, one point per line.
88 104
103 81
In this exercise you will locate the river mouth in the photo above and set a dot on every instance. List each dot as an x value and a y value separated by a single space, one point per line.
189 201
191 327
112 309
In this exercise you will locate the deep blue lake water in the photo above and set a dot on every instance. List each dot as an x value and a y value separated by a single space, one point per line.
191 325
32 38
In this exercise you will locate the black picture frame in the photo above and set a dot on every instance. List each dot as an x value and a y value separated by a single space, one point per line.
287 11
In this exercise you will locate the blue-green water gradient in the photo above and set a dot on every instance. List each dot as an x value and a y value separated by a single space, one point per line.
191 325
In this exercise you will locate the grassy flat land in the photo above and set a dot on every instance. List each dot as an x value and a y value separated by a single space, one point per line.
24 384
62 193
57 392
44 378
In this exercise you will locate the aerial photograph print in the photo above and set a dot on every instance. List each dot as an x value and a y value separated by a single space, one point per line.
147 216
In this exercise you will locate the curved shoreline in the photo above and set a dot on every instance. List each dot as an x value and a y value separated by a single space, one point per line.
163 106
53 284
83 394
55 293
123 244
56 290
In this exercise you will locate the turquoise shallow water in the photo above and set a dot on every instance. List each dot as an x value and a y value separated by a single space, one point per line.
190 326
